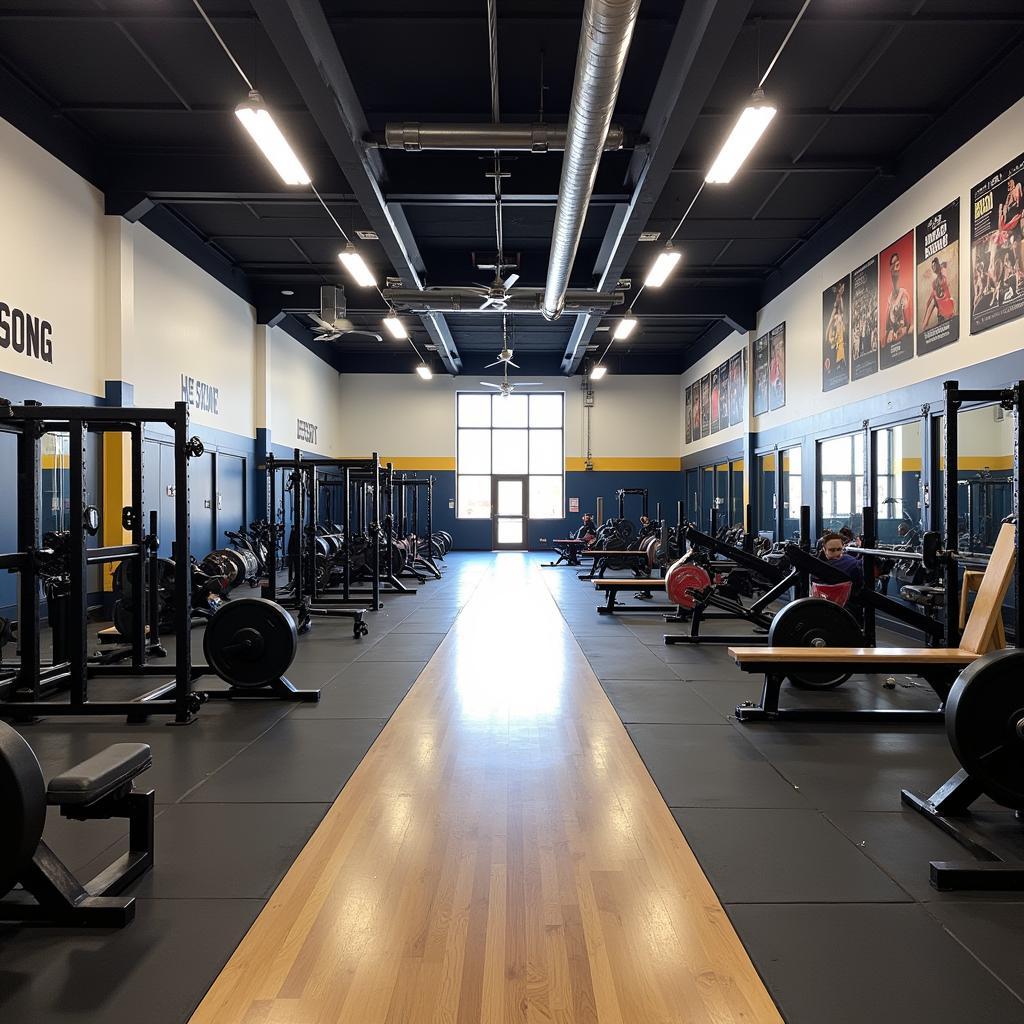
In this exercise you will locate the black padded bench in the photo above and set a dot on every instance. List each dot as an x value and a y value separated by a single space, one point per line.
642 589
36 885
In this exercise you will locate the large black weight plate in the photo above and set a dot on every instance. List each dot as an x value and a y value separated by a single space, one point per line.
250 642
23 799
814 622
985 725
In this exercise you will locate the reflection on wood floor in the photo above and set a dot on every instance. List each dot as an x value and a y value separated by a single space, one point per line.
500 855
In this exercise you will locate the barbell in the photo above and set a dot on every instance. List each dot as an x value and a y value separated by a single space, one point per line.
932 555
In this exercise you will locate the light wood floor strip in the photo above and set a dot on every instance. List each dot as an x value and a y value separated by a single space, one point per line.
500 856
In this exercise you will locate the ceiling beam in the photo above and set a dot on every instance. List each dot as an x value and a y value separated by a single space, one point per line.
838 165
703 38
306 45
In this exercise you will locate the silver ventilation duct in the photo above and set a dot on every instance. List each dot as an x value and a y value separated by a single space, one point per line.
515 300
533 138
600 61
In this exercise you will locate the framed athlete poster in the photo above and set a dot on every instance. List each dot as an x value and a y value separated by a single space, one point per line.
761 375
835 335
938 279
688 407
864 319
705 405
737 393
895 302
724 408
997 248
695 409
777 367
716 404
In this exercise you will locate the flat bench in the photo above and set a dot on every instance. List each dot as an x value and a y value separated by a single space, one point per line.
939 666
643 587
568 551
602 555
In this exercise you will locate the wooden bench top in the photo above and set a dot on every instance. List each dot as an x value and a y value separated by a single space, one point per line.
643 583
866 655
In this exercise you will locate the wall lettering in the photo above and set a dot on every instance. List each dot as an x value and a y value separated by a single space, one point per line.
200 395
305 431
22 332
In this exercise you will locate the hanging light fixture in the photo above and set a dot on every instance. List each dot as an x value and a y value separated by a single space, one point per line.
424 371
261 126
625 327
663 266
756 117
598 372
395 326
356 266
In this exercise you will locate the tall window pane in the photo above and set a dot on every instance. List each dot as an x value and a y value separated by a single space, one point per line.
509 411
474 497
474 451
546 497
474 410
510 451
545 451
545 410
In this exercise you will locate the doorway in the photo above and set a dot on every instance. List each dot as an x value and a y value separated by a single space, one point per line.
510 504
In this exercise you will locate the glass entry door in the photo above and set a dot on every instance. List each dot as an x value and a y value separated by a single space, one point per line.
509 500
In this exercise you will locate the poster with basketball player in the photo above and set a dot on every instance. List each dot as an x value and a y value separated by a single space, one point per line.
737 395
705 405
864 319
761 375
724 406
695 410
895 302
716 404
777 367
835 335
688 406
938 279
997 248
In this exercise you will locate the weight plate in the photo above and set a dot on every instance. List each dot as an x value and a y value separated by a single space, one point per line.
815 622
241 566
23 799
250 641
683 580
985 725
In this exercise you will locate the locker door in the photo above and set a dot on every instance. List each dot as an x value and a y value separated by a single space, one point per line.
231 511
200 487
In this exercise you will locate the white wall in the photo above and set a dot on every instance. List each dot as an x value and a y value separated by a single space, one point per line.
399 415
800 304
303 387
52 263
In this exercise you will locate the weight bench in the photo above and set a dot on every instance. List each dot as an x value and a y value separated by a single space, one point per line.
612 588
602 556
36 885
568 551
939 666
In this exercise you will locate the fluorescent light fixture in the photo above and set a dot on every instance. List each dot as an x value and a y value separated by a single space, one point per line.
663 266
748 129
598 372
395 327
258 122
424 371
357 267
625 328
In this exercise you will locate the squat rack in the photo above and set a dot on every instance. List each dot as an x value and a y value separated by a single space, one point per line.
408 491
33 680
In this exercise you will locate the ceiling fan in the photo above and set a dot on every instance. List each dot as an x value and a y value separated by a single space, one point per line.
505 355
507 387
331 322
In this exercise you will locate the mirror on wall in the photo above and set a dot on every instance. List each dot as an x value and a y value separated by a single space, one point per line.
722 494
899 496
792 492
766 495
736 511
707 497
691 498
55 496
984 475
841 487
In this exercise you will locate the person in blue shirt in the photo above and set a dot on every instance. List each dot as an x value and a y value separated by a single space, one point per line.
832 550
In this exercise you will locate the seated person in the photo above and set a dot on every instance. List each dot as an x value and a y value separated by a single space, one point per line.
832 550
587 531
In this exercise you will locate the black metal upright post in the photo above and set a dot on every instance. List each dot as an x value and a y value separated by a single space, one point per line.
951 511
869 539
272 516
183 567
29 497
78 599
375 533
137 565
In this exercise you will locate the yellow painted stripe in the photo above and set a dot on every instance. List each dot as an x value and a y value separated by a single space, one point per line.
985 462
610 464
910 465
419 462
53 461
117 489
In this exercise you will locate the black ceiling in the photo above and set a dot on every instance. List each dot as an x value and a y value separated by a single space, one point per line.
872 94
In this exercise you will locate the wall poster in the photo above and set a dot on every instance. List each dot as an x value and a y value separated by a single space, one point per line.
736 389
688 406
761 375
695 409
835 335
705 405
716 404
777 367
938 279
724 406
895 303
997 248
864 311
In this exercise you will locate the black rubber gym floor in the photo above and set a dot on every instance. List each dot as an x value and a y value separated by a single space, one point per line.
800 829
239 792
